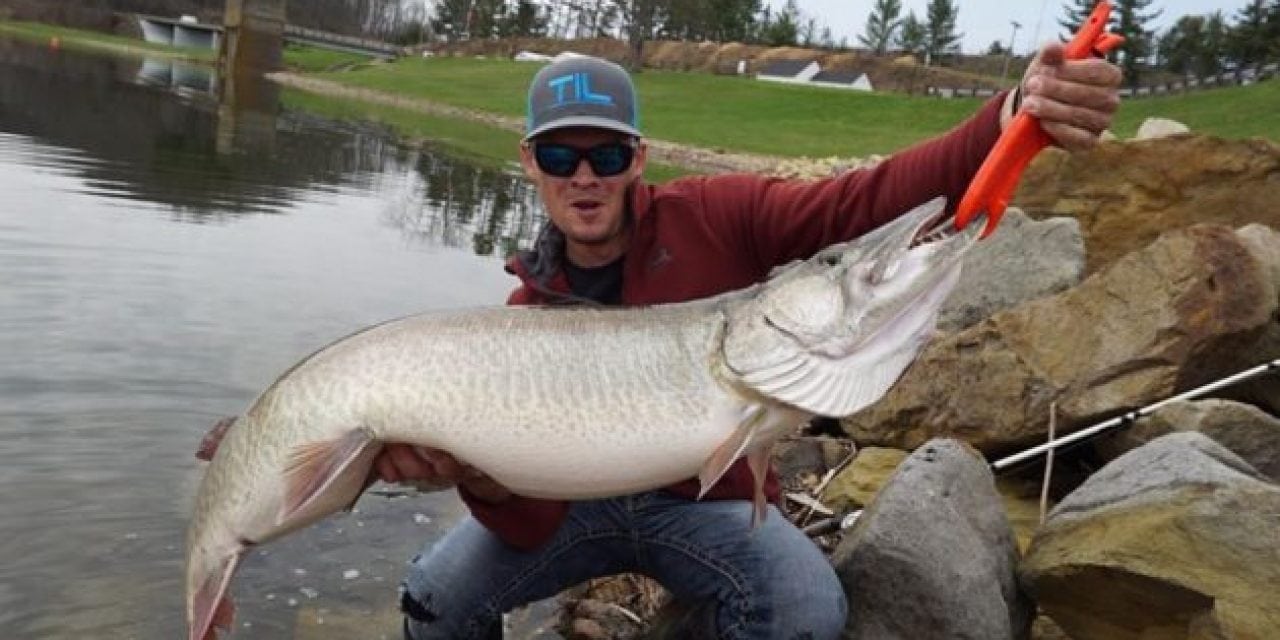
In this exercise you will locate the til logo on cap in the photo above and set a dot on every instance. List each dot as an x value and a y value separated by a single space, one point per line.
581 86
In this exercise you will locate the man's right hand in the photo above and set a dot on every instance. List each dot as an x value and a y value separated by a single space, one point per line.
409 464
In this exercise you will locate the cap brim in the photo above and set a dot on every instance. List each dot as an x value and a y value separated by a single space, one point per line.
594 122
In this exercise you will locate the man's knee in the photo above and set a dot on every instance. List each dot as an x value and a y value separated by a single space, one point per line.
425 619
440 605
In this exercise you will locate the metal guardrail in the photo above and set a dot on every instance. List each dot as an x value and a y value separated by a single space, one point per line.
1241 76
173 30
335 40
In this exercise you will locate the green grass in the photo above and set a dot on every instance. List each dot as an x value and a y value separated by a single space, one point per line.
1236 112
479 143
718 112
742 114
93 40
307 59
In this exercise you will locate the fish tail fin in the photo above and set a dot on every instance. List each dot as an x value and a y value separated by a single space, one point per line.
210 607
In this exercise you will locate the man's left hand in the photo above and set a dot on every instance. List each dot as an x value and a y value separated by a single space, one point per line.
1074 99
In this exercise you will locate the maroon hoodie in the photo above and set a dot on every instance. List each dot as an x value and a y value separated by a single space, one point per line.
702 236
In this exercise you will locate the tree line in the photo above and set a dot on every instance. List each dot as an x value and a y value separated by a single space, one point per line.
1194 44
1199 44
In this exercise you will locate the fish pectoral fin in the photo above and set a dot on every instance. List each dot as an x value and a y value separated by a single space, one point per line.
211 608
327 476
730 450
758 462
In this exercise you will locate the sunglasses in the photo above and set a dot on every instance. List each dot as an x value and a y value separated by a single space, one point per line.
561 160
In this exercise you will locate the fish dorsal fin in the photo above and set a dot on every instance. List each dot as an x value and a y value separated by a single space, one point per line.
811 377
326 476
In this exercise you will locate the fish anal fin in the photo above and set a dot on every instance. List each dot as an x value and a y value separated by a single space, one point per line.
211 609
326 476
758 462
730 450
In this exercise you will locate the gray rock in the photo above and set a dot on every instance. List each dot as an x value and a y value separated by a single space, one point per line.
1246 430
1178 539
1155 470
1025 260
933 556
1160 128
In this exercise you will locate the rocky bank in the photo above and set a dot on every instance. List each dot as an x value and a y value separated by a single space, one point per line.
1124 275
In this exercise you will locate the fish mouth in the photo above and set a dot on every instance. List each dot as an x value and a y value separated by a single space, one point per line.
942 227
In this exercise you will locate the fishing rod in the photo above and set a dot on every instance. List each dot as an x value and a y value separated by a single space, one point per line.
834 524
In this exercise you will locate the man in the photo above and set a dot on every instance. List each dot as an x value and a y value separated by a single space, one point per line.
613 239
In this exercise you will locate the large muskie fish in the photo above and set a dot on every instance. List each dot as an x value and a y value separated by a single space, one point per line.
575 403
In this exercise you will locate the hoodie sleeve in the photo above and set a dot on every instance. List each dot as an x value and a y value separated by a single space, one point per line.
777 220
523 523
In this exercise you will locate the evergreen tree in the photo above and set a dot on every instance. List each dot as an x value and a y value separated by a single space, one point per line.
1131 23
733 20
1252 38
1272 30
809 33
942 39
1194 44
1076 13
525 21
451 18
784 29
882 25
914 36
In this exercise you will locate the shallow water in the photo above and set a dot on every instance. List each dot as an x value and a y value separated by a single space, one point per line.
161 261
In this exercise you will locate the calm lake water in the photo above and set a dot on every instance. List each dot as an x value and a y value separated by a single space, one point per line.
162 261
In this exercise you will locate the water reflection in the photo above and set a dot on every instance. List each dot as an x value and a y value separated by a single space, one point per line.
467 206
199 162
178 75
151 282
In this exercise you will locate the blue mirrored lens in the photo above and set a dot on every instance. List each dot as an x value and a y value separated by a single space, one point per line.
606 160
557 159
609 159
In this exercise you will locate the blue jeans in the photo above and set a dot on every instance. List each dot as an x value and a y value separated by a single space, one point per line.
772 583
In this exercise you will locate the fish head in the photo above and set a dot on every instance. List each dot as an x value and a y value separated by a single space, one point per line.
842 289
830 335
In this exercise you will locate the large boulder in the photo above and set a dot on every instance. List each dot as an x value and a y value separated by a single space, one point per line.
1126 194
1187 309
1025 260
1264 243
933 555
1177 539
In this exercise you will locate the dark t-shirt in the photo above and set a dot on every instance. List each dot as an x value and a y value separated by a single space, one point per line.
601 284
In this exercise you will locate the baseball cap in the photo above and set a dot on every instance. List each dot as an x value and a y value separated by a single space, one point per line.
581 91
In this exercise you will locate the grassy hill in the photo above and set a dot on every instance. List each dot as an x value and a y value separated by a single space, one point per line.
742 114
725 112
1236 112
